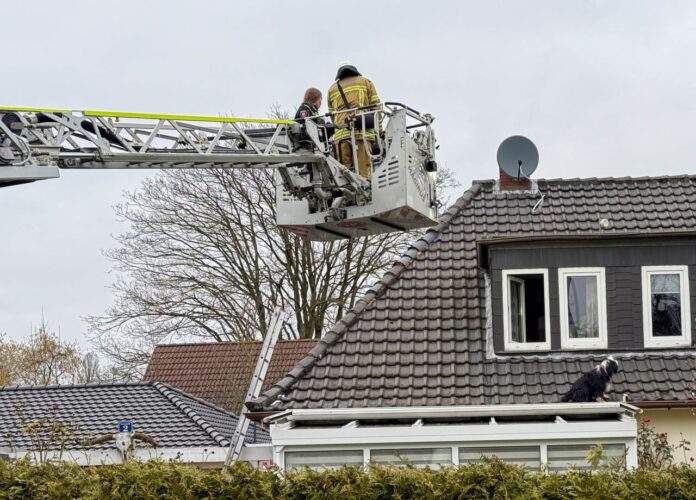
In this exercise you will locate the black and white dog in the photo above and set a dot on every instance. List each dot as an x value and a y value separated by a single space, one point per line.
593 385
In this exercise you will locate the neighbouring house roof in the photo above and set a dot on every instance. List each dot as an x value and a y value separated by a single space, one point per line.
417 337
220 372
171 417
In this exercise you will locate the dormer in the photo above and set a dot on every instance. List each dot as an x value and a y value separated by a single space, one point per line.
592 294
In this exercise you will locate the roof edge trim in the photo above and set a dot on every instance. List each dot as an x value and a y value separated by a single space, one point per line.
43 387
418 412
668 405
229 343
175 396
626 178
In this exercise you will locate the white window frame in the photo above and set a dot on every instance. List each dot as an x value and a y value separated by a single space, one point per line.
582 344
658 342
507 326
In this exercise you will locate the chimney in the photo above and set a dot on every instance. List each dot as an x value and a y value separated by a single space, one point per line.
508 183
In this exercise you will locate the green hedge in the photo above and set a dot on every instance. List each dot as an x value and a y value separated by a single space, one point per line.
490 480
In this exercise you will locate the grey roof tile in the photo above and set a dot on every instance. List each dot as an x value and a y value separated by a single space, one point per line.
429 307
173 418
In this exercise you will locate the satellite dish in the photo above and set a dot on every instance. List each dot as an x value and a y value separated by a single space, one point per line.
518 157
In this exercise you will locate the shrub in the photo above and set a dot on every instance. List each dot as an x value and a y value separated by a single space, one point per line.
490 480
654 450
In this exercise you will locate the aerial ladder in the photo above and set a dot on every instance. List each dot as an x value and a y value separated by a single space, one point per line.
317 197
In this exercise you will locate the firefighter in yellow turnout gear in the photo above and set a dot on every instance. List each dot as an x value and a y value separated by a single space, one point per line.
352 90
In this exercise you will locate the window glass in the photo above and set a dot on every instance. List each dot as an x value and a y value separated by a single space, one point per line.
665 304
319 460
418 457
564 456
583 310
528 456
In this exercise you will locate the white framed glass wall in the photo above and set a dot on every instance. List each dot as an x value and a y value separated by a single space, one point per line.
555 456
539 436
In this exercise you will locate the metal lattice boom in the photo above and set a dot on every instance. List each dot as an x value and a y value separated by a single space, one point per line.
318 197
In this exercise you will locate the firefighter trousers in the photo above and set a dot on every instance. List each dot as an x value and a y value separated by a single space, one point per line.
345 156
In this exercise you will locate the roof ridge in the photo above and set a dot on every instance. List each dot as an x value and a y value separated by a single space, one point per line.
19 387
602 179
391 275
231 342
174 396
197 399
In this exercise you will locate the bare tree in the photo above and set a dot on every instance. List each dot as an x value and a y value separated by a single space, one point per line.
203 258
90 370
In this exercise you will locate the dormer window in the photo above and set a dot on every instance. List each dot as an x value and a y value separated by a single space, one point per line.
582 298
525 310
666 315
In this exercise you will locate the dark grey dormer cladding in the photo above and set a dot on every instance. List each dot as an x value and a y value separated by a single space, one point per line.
622 260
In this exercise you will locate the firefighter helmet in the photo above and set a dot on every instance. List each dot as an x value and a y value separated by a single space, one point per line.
346 68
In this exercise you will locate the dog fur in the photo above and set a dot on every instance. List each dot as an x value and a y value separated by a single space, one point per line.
593 385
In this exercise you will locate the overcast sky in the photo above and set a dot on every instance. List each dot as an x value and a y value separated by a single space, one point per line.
603 88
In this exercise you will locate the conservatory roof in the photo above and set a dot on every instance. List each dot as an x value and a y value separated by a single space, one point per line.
453 412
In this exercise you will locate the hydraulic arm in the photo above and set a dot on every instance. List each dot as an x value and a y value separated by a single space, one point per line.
35 143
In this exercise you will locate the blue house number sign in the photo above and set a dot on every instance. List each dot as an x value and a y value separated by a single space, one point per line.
125 426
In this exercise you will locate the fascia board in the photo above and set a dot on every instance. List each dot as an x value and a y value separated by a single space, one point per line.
456 411
454 433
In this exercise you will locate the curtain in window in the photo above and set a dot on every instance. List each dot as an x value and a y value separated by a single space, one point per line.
583 307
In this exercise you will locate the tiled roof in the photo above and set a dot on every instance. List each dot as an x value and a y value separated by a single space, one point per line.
220 372
171 417
417 337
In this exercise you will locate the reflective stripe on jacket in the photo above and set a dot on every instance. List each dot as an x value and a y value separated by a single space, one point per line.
306 110
359 92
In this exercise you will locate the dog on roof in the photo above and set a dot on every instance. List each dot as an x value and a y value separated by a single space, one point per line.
593 385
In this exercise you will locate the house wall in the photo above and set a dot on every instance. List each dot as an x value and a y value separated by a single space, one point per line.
260 455
208 457
676 422
622 260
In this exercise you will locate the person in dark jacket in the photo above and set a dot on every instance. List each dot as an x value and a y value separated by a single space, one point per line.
309 109
310 104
